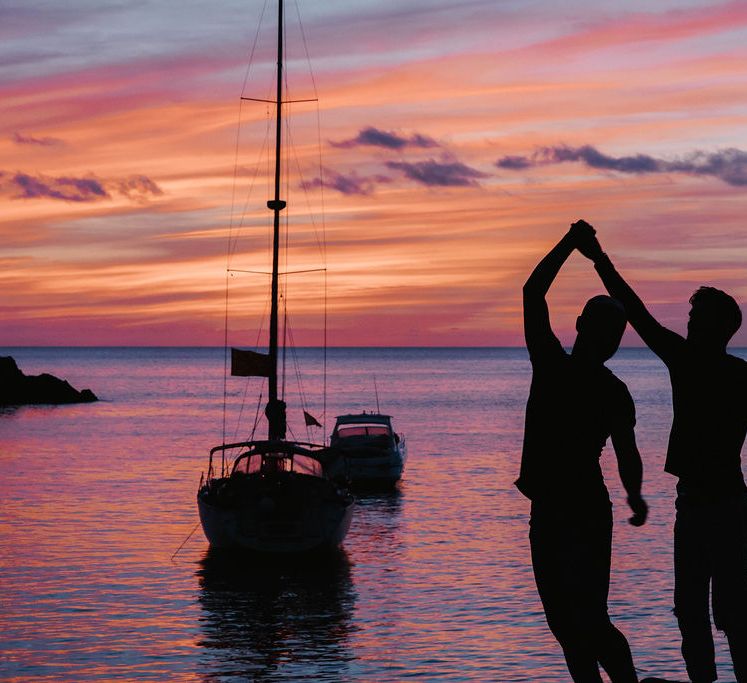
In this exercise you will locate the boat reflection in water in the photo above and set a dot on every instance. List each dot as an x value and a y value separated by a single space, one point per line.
378 529
284 619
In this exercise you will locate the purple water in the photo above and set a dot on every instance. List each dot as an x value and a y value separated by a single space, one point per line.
433 583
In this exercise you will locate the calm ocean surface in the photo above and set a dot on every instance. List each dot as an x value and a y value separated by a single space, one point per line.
434 581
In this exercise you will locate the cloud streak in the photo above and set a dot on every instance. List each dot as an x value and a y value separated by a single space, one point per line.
434 173
350 184
728 165
21 139
71 189
374 137
137 187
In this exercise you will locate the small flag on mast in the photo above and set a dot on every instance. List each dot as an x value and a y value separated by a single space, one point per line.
249 363
310 420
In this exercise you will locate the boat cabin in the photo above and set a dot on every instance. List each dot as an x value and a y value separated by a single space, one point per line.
271 463
365 426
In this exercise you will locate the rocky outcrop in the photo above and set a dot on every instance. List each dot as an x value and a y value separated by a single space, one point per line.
19 389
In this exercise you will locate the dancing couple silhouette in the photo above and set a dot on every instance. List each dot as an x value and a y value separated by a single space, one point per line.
575 404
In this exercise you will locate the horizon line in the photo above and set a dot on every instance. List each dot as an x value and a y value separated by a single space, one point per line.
193 346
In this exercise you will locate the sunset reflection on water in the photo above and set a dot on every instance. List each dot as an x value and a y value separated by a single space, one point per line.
433 582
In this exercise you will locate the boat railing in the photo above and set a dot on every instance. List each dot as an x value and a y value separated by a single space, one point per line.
276 450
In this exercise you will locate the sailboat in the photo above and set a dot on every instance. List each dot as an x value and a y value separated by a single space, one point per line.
278 495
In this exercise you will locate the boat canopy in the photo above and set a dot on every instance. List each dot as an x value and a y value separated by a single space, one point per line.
280 462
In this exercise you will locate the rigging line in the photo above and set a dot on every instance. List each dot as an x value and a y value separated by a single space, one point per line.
250 61
294 357
297 367
234 240
258 99
256 415
285 307
260 327
286 272
241 409
233 187
305 189
225 360
299 381
293 436
194 528
228 264
286 164
324 364
254 47
305 47
321 184
323 244
323 250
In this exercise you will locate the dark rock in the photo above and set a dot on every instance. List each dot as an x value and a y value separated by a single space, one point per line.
19 389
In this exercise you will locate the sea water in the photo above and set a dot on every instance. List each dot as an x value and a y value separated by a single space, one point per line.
434 579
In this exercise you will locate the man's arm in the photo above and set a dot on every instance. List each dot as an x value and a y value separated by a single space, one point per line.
537 330
630 467
658 338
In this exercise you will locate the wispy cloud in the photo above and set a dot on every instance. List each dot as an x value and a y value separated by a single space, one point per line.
21 139
24 186
350 184
436 173
71 189
373 137
137 187
729 165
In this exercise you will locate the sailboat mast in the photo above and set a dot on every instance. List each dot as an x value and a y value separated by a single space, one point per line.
275 411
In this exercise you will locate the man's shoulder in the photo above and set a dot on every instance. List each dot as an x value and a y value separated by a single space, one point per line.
613 378
616 386
737 367
737 362
549 357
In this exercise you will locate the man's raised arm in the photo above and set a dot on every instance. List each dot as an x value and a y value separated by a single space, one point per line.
658 338
537 330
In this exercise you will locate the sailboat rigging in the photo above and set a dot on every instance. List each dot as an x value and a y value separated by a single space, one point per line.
279 495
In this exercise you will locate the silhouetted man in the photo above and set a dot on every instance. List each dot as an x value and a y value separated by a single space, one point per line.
709 398
575 403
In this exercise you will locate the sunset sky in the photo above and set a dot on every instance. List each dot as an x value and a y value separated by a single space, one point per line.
458 140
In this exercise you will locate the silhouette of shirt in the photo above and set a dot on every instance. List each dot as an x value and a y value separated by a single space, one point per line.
709 397
573 407
709 400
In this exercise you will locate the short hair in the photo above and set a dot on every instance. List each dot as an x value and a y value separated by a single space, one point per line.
721 306
605 304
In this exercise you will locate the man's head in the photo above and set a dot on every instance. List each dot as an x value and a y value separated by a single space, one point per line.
600 328
714 317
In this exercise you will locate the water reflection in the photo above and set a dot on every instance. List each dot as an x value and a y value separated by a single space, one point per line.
376 525
269 619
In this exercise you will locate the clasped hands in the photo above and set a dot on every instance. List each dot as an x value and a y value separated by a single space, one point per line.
584 239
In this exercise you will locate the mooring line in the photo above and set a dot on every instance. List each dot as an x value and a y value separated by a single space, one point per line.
185 540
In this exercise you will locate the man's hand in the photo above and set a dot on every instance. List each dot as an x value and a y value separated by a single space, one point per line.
585 240
582 230
640 510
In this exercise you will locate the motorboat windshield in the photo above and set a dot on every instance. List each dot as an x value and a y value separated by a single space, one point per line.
347 431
